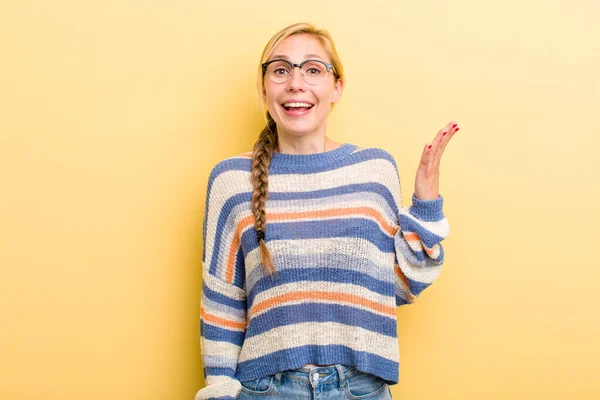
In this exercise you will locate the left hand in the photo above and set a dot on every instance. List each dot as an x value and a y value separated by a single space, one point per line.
427 182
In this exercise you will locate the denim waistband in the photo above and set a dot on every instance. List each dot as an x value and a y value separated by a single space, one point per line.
318 375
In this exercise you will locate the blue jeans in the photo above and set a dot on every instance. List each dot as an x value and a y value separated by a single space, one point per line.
318 383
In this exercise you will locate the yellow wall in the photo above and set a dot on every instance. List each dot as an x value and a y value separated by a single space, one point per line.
112 114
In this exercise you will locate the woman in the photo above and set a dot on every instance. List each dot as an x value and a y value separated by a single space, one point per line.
300 291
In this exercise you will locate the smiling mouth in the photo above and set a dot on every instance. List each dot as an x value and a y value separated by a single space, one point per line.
297 106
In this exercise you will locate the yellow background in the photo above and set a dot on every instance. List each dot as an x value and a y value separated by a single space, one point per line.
114 112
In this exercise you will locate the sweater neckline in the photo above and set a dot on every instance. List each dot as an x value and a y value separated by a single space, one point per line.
314 160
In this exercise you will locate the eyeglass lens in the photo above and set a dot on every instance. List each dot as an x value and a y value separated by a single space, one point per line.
313 72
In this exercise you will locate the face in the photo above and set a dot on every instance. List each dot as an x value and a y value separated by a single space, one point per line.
301 121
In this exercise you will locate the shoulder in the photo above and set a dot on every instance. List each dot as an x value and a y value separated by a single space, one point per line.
238 162
231 171
376 155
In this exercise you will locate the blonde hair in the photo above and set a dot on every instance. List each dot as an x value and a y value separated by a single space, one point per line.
267 140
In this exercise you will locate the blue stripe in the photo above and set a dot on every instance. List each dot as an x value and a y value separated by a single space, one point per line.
427 210
331 354
317 274
211 332
355 227
220 298
341 263
316 312
212 371
245 164
417 287
239 276
400 301
214 307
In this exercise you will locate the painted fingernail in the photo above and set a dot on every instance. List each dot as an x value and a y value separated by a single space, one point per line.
444 133
457 129
454 125
429 146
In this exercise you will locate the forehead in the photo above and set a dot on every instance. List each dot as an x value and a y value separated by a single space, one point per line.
299 47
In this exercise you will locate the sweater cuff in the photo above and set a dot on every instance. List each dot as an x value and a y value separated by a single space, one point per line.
220 388
427 210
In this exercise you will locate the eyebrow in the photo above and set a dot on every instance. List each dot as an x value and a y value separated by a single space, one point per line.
307 56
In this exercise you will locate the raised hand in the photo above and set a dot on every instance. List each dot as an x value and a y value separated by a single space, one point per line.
427 182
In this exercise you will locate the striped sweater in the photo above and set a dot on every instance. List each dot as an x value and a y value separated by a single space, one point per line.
347 254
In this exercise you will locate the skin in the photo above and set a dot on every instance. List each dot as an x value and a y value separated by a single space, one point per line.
427 181
302 134
307 134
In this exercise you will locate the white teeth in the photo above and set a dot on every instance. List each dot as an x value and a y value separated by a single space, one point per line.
297 105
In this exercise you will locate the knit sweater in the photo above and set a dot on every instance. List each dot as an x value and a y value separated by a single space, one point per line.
347 254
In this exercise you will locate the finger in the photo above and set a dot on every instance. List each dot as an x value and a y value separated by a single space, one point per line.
436 143
446 137
443 132
428 154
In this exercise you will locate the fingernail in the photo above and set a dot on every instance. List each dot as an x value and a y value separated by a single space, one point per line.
454 125
457 129
444 133
429 146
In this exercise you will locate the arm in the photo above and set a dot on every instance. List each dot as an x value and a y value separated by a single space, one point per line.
422 226
419 253
223 303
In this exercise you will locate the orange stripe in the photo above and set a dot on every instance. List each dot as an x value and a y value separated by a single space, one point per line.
318 295
221 321
337 212
412 236
272 217
428 251
235 244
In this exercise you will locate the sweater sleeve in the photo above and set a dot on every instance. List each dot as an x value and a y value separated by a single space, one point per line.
418 250
223 301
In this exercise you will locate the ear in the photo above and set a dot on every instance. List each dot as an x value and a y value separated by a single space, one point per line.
337 93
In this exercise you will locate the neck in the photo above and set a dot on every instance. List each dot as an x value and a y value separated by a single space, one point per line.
311 146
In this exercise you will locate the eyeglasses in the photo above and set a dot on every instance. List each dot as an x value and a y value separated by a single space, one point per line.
313 72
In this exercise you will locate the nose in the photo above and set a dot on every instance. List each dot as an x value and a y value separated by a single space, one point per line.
296 82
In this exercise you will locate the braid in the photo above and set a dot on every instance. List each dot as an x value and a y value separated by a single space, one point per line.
261 160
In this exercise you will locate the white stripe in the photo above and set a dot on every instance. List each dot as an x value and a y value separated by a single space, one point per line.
219 349
233 292
440 228
319 333
316 247
219 386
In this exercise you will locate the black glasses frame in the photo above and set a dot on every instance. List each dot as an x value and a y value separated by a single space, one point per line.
265 65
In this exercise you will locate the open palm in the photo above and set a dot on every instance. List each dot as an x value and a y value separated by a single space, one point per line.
427 182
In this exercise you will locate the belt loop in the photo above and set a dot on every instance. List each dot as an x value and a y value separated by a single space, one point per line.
278 378
342 381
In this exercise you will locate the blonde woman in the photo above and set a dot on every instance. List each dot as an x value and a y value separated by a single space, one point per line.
307 248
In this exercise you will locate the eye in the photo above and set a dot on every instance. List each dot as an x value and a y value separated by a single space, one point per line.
313 68
280 71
